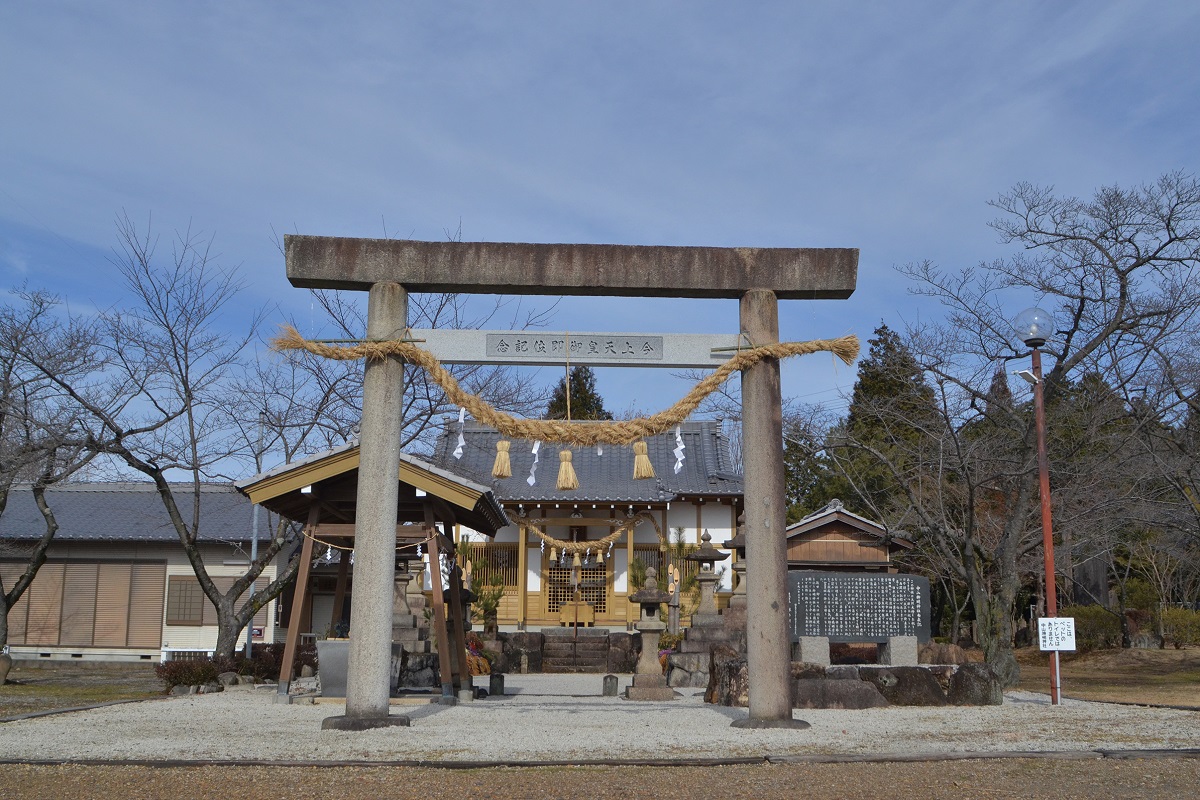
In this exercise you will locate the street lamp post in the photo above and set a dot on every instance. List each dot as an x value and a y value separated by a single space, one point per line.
262 420
1033 326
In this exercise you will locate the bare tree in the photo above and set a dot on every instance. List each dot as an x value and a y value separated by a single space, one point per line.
1118 271
43 438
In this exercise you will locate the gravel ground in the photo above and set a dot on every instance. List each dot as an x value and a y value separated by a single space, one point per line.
562 720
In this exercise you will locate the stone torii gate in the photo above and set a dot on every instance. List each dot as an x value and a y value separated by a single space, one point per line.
388 269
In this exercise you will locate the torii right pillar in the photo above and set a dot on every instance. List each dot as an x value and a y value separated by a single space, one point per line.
768 650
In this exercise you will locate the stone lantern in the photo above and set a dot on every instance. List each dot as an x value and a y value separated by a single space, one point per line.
649 683
706 556
738 545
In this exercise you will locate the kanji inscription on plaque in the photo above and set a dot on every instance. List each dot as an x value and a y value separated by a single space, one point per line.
857 608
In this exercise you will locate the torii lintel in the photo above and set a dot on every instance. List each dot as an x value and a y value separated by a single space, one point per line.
331 262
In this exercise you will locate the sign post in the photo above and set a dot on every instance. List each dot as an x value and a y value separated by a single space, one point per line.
1056 634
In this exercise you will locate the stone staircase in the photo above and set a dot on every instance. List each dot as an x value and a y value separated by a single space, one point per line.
689 666
563 652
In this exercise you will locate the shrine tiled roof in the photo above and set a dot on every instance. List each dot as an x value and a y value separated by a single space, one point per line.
605 473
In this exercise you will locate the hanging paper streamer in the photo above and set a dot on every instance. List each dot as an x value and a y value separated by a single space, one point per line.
543 548
679 448
600 449
532 479
419 553
462 442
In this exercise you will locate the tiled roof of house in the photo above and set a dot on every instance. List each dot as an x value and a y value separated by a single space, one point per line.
604 477
127 512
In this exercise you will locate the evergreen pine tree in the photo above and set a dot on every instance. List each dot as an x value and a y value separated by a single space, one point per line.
586 403
892 412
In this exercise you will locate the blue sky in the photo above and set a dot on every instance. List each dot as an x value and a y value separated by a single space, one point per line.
882 126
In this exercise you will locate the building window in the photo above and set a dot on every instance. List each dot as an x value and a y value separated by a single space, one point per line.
185 601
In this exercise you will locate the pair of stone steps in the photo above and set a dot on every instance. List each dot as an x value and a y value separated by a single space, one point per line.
562 652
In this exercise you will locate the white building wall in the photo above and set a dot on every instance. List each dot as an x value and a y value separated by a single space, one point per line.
718 520
174 637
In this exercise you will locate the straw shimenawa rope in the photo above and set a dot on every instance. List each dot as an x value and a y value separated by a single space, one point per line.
578 434
622 526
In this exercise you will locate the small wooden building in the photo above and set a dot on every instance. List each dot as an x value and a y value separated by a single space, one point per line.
838 540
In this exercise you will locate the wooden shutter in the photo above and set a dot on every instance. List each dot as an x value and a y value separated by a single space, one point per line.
147 587
112 605
78 604
185 601
45 605
19 612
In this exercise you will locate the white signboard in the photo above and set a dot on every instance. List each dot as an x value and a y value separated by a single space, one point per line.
1056 633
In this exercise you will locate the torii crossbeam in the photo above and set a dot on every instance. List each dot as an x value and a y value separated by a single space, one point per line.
757 277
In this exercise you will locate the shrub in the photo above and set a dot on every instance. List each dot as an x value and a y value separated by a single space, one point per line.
1096 628
186 673
1181 626
669 641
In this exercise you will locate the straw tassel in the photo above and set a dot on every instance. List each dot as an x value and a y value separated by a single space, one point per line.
575 562
642 468
503 466
566 472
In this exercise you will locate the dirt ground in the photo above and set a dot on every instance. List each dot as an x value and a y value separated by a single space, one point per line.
993 778
1162 677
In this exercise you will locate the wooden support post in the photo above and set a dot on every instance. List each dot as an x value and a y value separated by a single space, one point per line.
458 624
522 577
302 575
339 589
439 605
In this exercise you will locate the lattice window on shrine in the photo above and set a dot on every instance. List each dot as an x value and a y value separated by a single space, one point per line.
593 588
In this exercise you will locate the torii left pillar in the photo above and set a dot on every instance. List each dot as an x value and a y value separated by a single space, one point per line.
368 671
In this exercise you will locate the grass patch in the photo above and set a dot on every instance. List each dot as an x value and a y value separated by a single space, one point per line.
44 687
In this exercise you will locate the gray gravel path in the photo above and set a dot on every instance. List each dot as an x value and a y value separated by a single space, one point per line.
563 719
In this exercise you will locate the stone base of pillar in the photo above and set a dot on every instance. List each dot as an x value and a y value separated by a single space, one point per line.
344 723
749 722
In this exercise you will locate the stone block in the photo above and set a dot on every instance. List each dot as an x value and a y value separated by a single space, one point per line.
932 652
975 685
228 679
523 651
899 651
905 686
624 648
842 672
728 684
649 688
811 649
687 669
821 693
333 657
802 669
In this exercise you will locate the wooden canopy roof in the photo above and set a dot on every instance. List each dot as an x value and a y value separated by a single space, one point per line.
332 478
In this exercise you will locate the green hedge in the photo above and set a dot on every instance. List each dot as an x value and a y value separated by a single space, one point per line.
1095 627
1181 627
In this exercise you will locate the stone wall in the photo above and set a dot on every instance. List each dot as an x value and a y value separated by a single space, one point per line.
861 686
